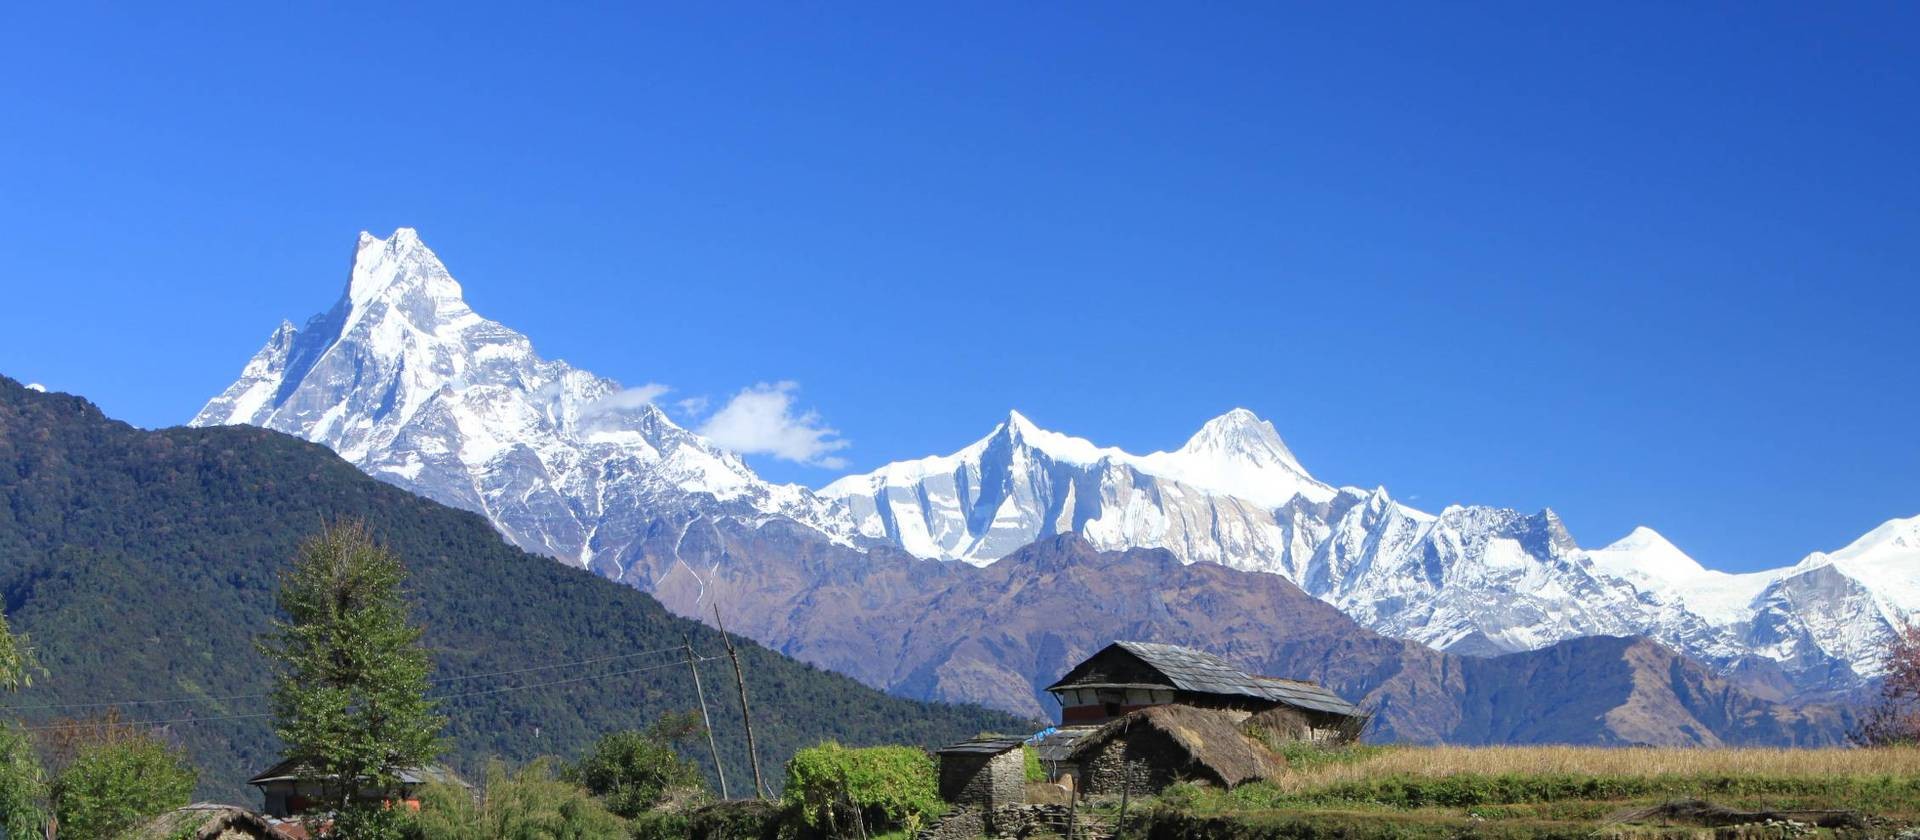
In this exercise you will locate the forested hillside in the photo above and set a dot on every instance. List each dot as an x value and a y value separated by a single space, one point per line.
143 565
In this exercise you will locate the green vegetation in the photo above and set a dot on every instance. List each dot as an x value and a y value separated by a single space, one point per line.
832 787
1372 791
1030 764
349 697
113 784
22 784
529 803
17 665
117 543
634 772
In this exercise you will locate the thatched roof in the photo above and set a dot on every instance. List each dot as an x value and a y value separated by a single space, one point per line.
1211 738
206 821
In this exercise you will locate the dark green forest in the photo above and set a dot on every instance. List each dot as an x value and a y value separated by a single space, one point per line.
143 566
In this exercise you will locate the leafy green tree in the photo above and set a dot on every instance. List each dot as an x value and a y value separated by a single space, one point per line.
528 805
349 698
17 665
836 788
22 784
114 784
635 771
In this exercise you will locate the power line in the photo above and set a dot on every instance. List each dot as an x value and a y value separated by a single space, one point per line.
474 693
259 695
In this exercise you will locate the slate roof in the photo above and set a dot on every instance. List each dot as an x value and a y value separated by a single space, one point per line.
1201 672
289 770
981 746
1058 745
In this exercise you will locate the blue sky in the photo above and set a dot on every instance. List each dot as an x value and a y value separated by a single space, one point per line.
1639 263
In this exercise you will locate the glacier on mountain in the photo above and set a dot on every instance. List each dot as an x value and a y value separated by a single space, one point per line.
405 380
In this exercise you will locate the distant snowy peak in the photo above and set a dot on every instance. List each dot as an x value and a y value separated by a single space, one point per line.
404 379
1212 500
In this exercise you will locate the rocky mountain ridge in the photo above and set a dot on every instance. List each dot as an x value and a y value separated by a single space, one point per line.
402 378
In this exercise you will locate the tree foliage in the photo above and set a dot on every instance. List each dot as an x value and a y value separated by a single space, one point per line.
1895 717
22 784
634 771
531 804
17 665
349 701
114 783
882 787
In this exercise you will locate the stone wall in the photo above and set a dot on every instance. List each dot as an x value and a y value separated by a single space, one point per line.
985 780
1143 760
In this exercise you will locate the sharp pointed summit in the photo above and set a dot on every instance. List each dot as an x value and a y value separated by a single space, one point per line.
402 378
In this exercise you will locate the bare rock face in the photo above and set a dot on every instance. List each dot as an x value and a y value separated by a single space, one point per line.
999 634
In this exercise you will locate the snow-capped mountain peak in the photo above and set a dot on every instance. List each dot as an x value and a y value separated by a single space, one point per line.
1241 434
403 378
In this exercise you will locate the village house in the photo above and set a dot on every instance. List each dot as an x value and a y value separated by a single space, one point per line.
1138 716
291 790
1125 677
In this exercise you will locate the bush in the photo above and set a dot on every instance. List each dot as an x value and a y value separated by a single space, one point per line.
883 787
1030 761
531 803
22 785
633 772
110 786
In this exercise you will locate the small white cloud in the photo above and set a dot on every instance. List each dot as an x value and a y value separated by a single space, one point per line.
761 421
624 398
692 406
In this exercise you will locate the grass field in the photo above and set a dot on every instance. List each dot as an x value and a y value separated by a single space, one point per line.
1372 791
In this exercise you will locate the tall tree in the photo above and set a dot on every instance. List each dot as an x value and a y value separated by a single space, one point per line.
22 782
1895 719
349 700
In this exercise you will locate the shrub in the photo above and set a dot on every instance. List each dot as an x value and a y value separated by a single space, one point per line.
110 786
22 785
633 772
531 803
1030 760
883 787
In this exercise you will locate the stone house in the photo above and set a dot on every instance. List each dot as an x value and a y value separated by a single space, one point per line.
1146 750
1125 677
984 772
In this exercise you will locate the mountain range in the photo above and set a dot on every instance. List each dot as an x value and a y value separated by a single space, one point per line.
404 380
143 566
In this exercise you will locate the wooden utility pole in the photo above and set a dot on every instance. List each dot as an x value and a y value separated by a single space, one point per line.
704 720
746 715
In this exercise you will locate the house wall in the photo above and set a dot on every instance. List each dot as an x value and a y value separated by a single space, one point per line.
1142 761
977 779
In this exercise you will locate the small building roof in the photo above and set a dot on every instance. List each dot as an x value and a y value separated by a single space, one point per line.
1201 672
1058 744
981 746
1211 739
291 770
204 821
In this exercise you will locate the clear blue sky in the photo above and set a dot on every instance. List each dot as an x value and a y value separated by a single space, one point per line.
1640 263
